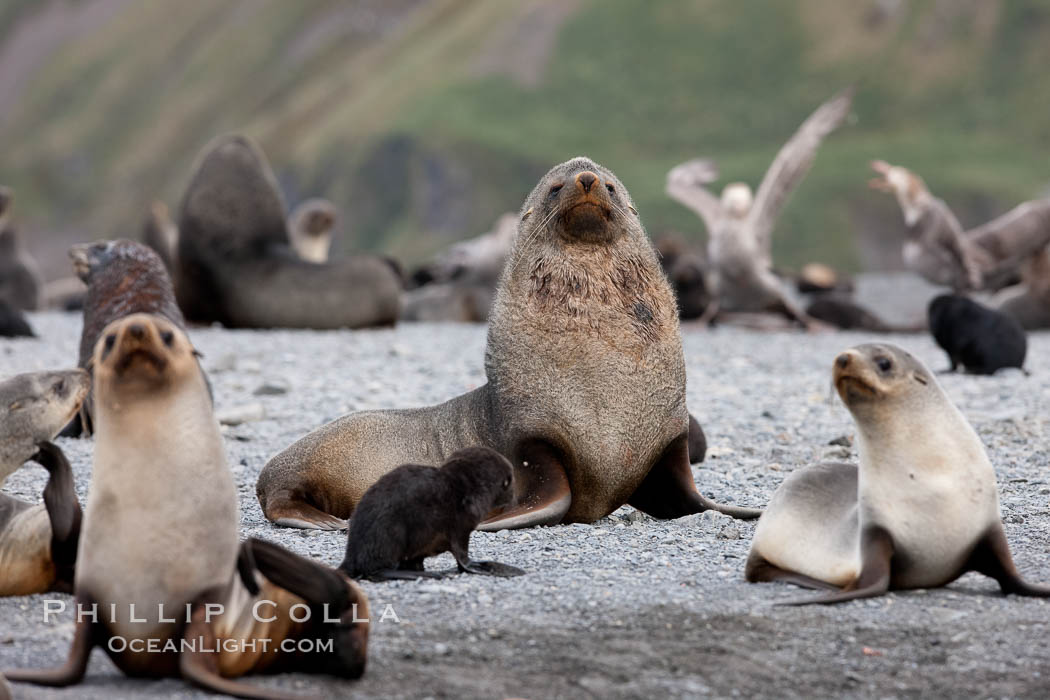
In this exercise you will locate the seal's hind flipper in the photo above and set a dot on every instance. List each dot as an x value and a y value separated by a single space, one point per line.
542 495
668 491
72 672
491 568
697 441
876 553
991 557
758 570
313 582
287 510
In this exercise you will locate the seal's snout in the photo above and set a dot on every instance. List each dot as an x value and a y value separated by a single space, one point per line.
585 181
842 361
137 331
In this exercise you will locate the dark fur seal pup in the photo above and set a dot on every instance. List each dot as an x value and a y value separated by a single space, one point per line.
415 512
159 542
921 510
123 277
585 392
980 339
38 543
236 265
13 323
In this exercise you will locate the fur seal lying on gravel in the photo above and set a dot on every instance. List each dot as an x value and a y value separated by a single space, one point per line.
921 510
235 262
38 543
310 228
415 512
980 339
123 278
585 392
159 551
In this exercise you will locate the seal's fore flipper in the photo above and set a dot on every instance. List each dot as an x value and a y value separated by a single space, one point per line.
286 509
697 441
668 491
991 557
876 552
459 548
72 672
63 511
541 490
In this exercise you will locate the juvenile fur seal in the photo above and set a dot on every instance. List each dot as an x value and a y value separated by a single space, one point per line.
980 339
20 281
38 543
159 542
921 510
415 512
123 277
585 392
310 226
235 262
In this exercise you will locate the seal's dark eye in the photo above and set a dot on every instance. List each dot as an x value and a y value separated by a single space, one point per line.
506 482
168 337
110 340
884 364
59 387
610 188
556 189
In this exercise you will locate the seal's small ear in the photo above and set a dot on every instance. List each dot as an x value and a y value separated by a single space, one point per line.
919 378
633 210
527 214
198 354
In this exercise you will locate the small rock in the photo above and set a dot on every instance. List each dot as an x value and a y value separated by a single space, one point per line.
271 389
441 649
246 413
842 441
836 453
730 532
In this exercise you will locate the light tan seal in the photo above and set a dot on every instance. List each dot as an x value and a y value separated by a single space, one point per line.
38 542
310 227
586 382
921 509
160 534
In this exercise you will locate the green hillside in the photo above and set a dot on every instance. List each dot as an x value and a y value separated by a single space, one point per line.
425 120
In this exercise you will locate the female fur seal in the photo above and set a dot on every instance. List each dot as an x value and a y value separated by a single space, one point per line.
159 552
415 512
236 265
920 511
586 382
38 543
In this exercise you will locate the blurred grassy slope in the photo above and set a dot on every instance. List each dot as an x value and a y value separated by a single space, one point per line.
426 119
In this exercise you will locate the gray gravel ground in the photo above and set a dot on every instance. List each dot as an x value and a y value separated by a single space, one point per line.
629 606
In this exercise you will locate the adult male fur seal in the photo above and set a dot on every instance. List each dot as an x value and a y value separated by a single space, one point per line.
159 543
38 543
586 382
921 510
235 263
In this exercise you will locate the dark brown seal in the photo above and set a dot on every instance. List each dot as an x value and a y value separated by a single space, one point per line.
236 265
20 282
586 382
123 277
415 512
